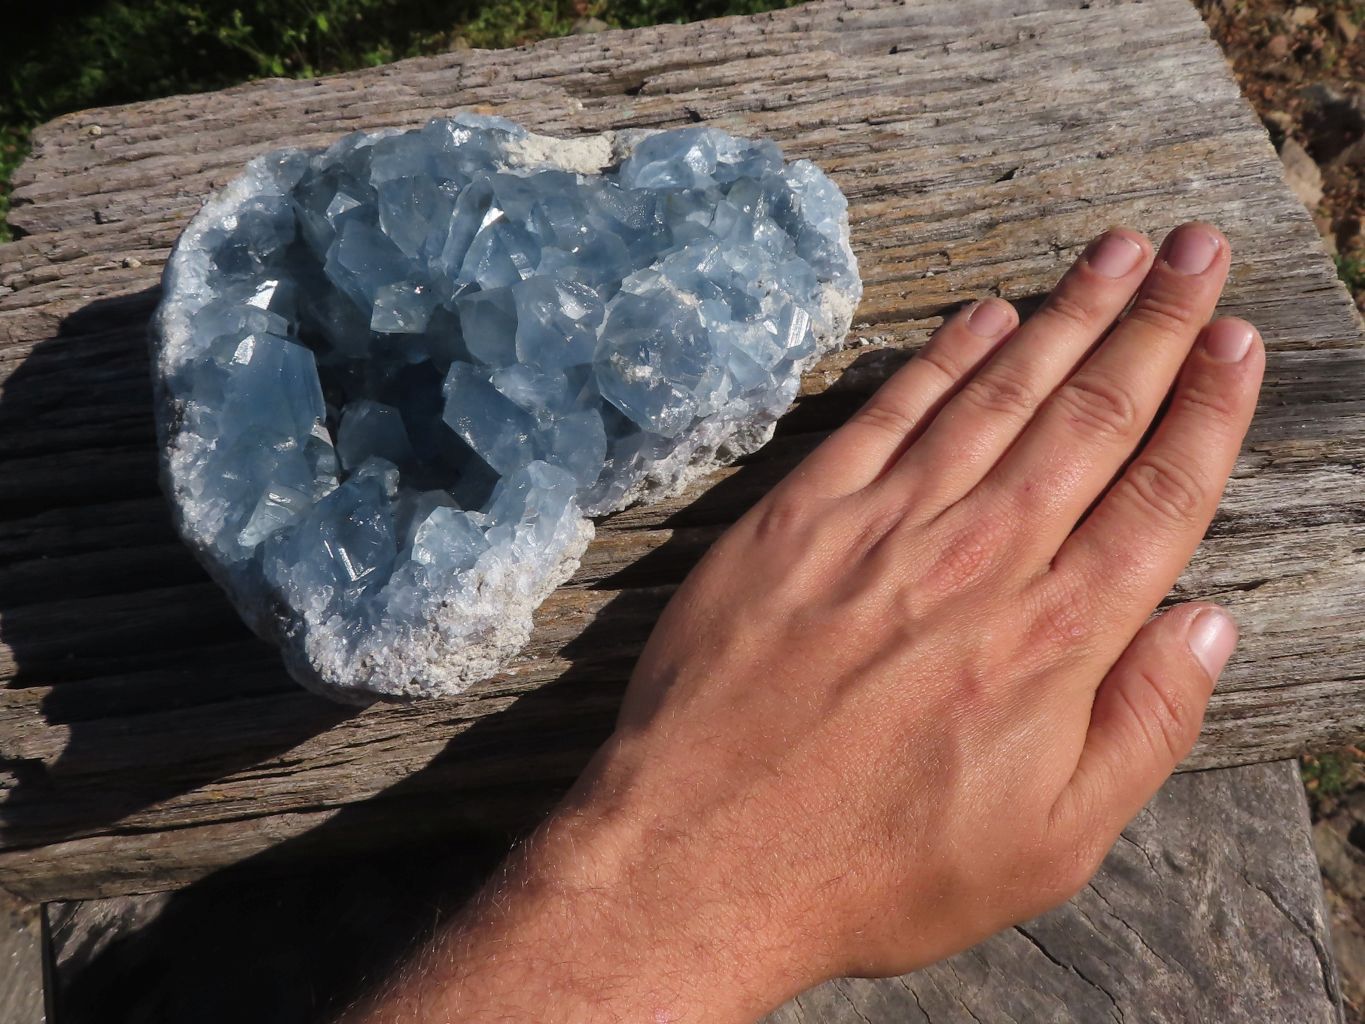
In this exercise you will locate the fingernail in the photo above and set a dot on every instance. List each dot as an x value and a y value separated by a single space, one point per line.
1114 256
1212 636
1228 341
1191 249
989 319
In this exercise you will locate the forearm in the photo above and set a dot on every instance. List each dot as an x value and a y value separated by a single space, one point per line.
596 918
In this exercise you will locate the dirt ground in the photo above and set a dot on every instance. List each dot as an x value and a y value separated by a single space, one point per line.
1336 792
1302 66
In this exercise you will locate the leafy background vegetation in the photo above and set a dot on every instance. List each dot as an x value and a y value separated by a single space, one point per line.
64 55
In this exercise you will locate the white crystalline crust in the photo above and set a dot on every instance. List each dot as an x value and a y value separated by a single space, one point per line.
467 636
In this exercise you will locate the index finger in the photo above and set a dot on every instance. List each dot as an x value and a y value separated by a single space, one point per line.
873 438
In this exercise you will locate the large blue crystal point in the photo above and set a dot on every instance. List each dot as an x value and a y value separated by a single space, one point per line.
398 375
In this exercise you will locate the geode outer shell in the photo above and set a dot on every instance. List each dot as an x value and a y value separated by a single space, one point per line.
395 377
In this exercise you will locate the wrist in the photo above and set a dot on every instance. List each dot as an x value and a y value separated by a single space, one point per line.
662 923
633 902
623 908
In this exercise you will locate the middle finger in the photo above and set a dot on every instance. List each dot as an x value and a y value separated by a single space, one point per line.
1088 429
976 427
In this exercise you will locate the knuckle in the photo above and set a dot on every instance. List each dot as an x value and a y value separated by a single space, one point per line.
1155 702
781 516
1163 487
1066 306
884 417
1205 400
1098 404
967 556
940 363
1166 311
999 390
910 606
1062 619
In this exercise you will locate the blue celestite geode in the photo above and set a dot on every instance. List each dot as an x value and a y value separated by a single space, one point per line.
397 376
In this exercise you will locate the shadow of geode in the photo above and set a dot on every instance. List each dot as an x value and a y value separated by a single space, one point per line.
155 670
298 931
103 612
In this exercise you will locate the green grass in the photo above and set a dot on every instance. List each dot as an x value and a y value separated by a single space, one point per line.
511 22
1351 269
1332 774
61 57
13 148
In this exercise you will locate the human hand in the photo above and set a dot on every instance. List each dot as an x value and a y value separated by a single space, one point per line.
912 696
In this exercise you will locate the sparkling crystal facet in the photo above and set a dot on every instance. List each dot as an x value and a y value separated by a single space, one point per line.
398 375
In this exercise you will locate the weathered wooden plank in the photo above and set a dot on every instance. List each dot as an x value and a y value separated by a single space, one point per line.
1209 909
980 145
22 967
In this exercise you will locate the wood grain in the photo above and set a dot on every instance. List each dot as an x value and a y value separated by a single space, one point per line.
146 739
22 967
1209 909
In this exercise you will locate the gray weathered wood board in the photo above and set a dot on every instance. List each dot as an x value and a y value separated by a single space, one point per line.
146 739
22 954
1208 910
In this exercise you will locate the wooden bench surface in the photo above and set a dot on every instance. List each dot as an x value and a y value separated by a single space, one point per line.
146 740
1209 910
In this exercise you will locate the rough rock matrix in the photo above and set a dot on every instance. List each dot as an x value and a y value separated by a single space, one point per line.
396 377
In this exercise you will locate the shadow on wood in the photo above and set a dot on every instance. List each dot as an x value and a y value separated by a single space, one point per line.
80 672
155 654
106 694
206 657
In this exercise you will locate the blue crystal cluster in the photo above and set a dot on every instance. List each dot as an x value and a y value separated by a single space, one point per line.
398 374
